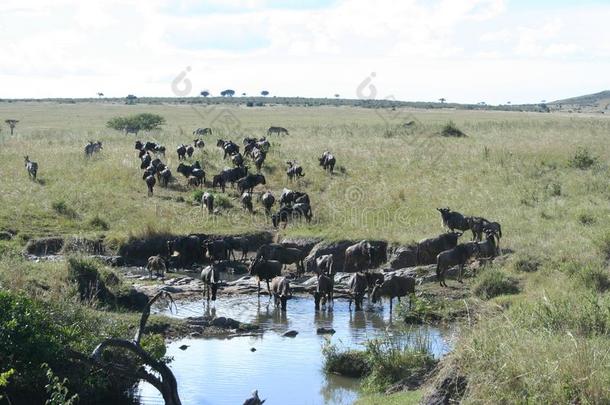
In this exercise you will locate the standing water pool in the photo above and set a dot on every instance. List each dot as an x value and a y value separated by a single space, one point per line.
284 370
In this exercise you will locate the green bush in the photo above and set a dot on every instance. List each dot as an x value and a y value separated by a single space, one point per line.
197 194
493 282
62 208
350 363
603 244
582 159
526 264
98 223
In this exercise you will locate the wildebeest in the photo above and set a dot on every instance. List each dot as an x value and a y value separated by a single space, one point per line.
396 286
233 175
194 170
290 197
265 270
288 213
202 131
93 147
489 247
181 151
246 201
453 220
249 182
323 292
31 167
237 160
327 161
218 181
458 256
229 147
164 176
324 265
428 249
145 161
358 256
283 254
268 200
193 181
259 157
150 182
156 263
372 279
210 276
277 130
189 249
294 170
199 143
280 288
357 288
207 200
239 243
217 249
190 150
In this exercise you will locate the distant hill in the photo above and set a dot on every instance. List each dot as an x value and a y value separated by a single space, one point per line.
598 102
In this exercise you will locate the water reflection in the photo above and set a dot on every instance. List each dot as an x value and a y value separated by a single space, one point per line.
284 370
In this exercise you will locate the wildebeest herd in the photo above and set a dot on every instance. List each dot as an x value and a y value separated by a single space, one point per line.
270 259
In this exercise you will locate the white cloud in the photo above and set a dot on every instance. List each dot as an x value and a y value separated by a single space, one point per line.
464 50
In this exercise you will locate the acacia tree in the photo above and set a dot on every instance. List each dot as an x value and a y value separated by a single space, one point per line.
205 93
136 123
131 99
100 94
442 100
264 93
12 124
227 93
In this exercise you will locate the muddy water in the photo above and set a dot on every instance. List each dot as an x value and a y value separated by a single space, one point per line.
284 370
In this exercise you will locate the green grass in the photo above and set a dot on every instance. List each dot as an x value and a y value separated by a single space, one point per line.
399 398
544 177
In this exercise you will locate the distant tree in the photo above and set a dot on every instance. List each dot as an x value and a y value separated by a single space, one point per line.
482 103
131 99
264 93
243 94
508 102
205 93
337 95
100 94
136 123
442 100
227 93
542 101
12 124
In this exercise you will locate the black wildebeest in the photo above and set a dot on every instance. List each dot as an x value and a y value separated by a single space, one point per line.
237 160
277 130
218 181
188 249
249 182
217 249
358 256
323 292
288 213
453 220
198 143
265 270
372 279
259 158
294 170
156 263
181 151
458 256
239 243
268 199
327 161
207 200
164 176
229 147
210 276
283 254
145 161
396 286
190 150
202 131
150 182
428 249
31 167
357 289
291 197
280 288
233 175
246 201
194 170
93 147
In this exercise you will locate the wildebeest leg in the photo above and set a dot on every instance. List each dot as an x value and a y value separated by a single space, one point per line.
350 303
391 306
460 269
268 288
259 288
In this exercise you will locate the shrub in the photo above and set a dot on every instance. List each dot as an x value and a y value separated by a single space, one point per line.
526 264
197 194
492 283
582 159
85 273
350 363
98 223
62 209
138 122
450 129
594 277
603 245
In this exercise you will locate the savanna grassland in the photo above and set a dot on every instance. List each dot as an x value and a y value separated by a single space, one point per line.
544 177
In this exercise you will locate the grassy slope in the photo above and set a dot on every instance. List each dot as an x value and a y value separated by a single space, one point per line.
391 185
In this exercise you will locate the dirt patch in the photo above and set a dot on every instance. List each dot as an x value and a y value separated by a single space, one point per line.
84 246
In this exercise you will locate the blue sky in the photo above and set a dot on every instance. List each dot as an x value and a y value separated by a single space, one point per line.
462 50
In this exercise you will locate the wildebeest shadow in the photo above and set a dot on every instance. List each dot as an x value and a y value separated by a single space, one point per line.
42 182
